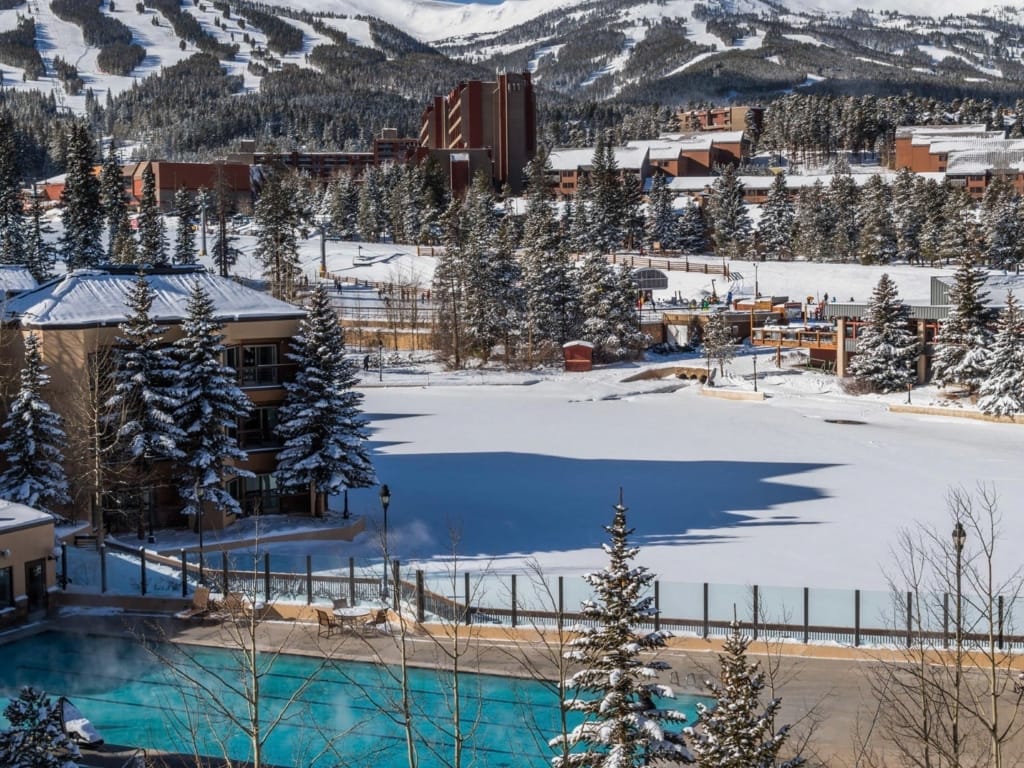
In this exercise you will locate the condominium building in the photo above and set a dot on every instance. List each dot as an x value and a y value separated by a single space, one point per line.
498 115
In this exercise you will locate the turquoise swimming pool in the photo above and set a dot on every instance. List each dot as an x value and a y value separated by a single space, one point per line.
344 717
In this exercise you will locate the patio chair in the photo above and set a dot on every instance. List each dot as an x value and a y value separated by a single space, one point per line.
200 605
340 602
378 619
327 624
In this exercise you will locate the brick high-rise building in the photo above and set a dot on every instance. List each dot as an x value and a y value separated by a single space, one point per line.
498 115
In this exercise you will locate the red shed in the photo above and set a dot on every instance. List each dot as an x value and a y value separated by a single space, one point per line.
579 355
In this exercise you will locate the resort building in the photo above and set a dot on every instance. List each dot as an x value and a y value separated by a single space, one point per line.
27 564
721 119
499 116
76 319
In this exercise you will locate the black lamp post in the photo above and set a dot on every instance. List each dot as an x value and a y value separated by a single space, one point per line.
199 523
959 538
380 370
385 500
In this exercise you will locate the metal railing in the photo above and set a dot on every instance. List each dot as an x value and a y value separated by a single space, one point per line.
850 617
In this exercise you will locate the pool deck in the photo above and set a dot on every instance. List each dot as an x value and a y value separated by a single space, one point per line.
826 690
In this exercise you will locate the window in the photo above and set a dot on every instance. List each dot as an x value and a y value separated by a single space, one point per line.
257 431
6 587
257 495
256 364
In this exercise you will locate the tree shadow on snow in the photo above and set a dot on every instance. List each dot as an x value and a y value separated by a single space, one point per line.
507 503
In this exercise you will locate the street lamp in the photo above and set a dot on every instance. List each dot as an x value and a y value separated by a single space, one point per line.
385 500
959 538
380 368
757 293
199 524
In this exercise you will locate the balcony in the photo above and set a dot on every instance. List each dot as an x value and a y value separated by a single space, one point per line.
265 375
784 336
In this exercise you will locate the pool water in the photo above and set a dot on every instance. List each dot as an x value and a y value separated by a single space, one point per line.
346 715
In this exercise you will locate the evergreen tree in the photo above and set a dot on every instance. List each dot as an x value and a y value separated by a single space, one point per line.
209 409
34 442
506 290
146 386
731 229
909 215
320 422
623 726
81 244
12 228
775 229
963 341
449 288
878 233
957 238
277 249
887 350
112 199
607 214
580 239
692 235
843 198
481 311
718 343
1002 391
36 737
812 224
152 236
934 210
370 211
737 732
185 236
39 254
661 219
1003 230
125 249
343 205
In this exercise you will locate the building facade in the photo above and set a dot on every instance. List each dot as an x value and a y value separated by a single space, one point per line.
498 115
27 563
76 319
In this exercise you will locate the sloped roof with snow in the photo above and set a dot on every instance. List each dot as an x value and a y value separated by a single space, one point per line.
14 516
90 297
15 279
628 157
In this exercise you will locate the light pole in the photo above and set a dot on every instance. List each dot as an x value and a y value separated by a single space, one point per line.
757 293
323 245
199 524
959 538
380 363
385 500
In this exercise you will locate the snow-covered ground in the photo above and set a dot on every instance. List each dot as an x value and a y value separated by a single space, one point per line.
527 464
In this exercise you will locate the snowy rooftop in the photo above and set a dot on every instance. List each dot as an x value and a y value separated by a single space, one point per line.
96 296
922 134
630 157
14 516
697 183
15 278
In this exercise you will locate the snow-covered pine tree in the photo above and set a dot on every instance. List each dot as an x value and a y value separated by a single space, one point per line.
185 237
963 341
933 207
692 235
887 349
731 228
579 235
718 343
320 422
12 209
146 386
277 249
623 726
125 249
152 235
843 197
369 214
957 236
595 281
1003 231
909 215
661 220
481 312
775 228
81 244
812 223
34 441
449 287
738 731
39 254
877 243
112 198
208 412
629 338
36 737
1002 391
607 214
507 290
343 205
